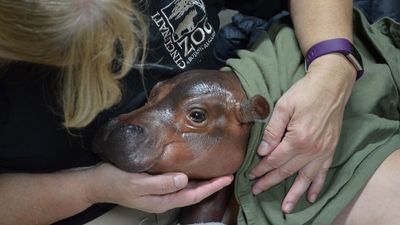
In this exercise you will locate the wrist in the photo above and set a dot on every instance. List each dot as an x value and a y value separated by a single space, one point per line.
336 45
336 65
91 188
335 74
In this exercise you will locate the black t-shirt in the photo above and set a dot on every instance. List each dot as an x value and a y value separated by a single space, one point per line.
32 138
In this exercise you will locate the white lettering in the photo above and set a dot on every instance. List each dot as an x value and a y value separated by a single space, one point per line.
201 35
207 27
157 18
188 47
169 46
181 64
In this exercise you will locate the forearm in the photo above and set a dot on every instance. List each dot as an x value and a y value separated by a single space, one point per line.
41 198
318 20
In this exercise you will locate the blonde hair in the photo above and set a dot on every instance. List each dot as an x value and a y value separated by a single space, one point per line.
85 38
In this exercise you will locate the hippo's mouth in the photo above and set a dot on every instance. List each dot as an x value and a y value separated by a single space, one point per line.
127 146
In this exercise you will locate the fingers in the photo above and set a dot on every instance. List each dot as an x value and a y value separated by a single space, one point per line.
304 179
300 136
162 184
318 182
279 174
192 194
275 129
281 155
311 178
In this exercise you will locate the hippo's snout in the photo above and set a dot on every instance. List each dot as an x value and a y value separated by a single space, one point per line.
124 145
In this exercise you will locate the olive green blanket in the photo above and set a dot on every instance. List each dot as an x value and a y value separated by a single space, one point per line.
370 130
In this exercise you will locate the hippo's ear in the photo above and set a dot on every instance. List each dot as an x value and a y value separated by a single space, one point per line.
256 108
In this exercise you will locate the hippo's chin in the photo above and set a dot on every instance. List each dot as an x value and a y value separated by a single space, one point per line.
136 159
132 165
133 155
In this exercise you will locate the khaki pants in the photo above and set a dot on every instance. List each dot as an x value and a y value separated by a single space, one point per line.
124 216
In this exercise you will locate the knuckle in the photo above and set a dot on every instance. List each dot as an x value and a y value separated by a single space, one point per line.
302 140
271 133
283 173
305 177
305 143
281 105
323 172
272 162
263 184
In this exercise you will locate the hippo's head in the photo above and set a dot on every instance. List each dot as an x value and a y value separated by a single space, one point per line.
197 123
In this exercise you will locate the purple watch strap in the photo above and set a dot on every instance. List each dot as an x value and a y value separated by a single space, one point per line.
339 45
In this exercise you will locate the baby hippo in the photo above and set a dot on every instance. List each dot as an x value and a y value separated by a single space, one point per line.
197 123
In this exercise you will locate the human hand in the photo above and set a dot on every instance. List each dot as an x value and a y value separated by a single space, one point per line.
304 130
150 193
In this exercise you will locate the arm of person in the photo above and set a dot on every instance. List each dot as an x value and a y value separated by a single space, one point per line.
42 198
47 198
304 127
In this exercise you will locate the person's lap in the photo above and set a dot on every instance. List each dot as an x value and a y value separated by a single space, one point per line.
379 201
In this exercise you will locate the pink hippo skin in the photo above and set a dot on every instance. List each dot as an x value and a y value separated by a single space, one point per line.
197 123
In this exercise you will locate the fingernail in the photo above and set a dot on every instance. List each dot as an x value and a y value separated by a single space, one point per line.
230 180
180 181
252 177
288 207
313 198
263 149
256 191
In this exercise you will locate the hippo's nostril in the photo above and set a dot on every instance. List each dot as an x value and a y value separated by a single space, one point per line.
135 128
126 146
114 133
126 133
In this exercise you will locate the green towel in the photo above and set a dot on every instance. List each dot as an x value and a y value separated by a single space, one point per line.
370 130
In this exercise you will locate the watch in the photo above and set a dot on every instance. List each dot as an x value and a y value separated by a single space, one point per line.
337 45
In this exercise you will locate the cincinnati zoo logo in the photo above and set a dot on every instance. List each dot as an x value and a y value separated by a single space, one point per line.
185 29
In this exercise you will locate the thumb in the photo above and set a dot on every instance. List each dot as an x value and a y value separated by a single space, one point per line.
275 130
163 183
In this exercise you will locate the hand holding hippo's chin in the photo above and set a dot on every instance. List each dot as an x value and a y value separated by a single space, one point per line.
197 123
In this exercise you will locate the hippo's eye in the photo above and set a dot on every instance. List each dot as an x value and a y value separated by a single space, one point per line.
197 115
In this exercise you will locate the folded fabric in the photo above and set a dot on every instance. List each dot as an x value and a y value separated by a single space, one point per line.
371 127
